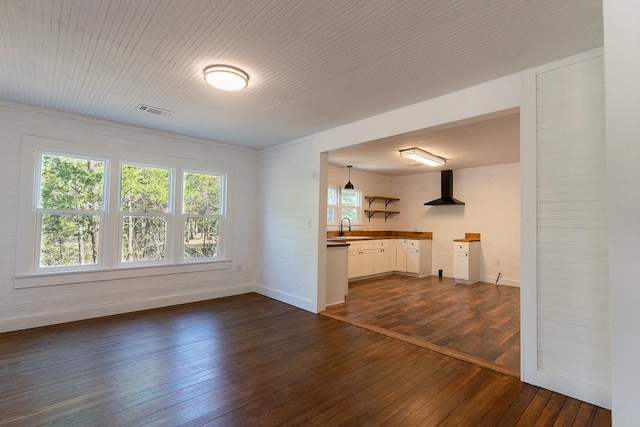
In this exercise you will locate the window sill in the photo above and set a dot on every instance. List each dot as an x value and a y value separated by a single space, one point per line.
37 280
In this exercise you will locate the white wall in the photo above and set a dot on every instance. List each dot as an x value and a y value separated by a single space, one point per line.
23 308
370 184
518 90
296 166
290 224
492 197
622 68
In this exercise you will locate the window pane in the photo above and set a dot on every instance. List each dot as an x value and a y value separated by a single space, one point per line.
200 237
331 214
69 240
332 196
71 183
144 189
351 213
351 197
201 194
143 238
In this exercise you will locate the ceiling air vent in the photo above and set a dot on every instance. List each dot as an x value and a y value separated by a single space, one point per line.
154 110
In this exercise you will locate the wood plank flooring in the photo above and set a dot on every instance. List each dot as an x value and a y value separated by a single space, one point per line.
249 360
479 323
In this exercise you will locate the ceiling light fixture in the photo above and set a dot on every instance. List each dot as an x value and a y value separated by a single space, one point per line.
226 77
423 157
349 185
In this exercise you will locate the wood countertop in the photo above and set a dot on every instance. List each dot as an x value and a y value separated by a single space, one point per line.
469 237
374 235
334 244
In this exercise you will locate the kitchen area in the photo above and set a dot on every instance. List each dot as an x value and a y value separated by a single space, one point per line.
406 244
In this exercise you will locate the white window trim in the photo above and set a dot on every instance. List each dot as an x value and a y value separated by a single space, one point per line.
27 275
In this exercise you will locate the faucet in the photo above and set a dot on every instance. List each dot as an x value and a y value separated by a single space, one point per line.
341 224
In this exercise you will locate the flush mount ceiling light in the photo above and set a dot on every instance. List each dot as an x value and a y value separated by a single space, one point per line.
226 77
349 185
423 157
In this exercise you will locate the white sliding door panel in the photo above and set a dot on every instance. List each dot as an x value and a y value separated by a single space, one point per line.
572 266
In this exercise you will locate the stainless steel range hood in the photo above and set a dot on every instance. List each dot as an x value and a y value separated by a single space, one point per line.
446 191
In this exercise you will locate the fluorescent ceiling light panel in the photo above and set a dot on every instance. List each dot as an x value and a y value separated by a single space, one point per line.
423 157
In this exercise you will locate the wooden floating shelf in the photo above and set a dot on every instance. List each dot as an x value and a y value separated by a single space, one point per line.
387 214
386 200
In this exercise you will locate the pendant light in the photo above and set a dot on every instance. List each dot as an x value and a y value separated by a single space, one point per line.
349 185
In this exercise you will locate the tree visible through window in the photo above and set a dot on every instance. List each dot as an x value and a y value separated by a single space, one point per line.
87 219
144 206
350 205
332 205
201 214
70 210
345 203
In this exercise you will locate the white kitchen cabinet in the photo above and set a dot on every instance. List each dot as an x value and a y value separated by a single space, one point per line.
393 251
367 257
337 285
413 260
381 256
401 255
354 259
466 262
414 256
361 258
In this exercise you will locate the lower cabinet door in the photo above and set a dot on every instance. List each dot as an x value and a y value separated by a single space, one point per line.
401 255
381 261
366 262
354 264
413 261
461 265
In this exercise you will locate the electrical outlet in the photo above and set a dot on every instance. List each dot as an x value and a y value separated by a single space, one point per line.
497 263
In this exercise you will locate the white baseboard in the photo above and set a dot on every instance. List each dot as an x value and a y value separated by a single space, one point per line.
45 319
286 298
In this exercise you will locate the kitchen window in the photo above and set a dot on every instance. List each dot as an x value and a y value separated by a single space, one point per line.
343 203
95 213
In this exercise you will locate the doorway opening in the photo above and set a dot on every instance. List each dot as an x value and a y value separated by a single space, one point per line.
480 322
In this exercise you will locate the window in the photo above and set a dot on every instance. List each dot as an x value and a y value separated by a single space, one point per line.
201 214
350 205
343 204
92 214
70 210
332 205
144 212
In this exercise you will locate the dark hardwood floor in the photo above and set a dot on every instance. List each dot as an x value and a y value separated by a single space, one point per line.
252 361
479 323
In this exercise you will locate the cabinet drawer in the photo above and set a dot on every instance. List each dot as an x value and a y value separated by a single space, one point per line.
381 244
461 246
367 244
354 246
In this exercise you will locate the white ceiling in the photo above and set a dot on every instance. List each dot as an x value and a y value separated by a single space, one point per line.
313 64
481 141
